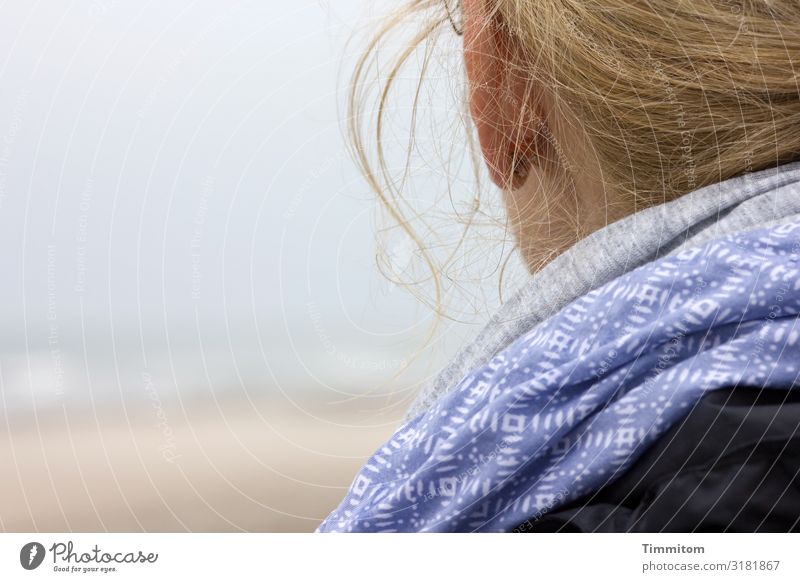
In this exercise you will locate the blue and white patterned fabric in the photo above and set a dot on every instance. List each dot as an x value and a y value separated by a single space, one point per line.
569 406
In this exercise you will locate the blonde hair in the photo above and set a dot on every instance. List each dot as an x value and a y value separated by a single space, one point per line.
671 95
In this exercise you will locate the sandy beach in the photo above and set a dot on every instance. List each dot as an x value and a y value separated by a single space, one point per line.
226 466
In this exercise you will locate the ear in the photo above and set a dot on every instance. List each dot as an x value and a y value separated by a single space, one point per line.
500 101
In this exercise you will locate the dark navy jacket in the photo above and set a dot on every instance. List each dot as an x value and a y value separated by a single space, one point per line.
733 465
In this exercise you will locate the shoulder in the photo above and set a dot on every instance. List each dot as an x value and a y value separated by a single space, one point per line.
733 464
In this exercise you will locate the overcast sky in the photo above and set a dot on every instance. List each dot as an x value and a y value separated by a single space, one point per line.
174 185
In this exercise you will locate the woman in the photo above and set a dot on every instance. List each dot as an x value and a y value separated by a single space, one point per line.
641 380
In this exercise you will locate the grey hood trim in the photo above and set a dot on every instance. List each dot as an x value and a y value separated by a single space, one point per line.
750 201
